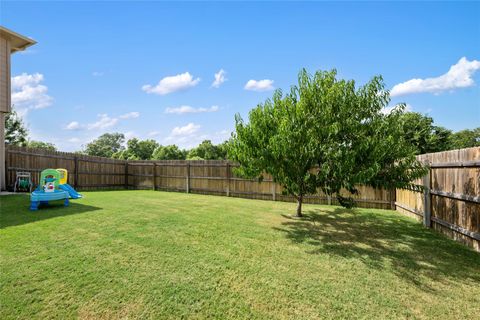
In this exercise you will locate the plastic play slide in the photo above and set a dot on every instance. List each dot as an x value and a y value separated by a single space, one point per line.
71 192
63 185
53 186
48 190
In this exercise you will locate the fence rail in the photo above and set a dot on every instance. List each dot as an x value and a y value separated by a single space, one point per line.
206 177
450 202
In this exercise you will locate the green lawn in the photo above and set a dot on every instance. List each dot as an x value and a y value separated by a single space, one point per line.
145 254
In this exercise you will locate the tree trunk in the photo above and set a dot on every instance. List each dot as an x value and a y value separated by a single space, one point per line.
299 206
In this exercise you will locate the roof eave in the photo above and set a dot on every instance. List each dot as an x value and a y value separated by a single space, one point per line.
18 42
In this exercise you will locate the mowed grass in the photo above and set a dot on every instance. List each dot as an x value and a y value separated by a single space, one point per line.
145 254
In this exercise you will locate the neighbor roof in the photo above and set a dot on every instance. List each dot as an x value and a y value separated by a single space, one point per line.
17 41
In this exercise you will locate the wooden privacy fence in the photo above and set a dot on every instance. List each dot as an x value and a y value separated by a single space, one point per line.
450 202
85 172
214 177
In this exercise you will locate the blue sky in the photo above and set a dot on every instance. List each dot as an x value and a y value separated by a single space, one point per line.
98 67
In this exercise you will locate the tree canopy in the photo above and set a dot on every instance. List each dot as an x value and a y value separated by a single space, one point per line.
426 137
325 133
465 139
170 152
208 151
41 145
106 145
16 133
137 150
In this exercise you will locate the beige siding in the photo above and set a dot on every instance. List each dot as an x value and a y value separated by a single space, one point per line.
5 103
2 152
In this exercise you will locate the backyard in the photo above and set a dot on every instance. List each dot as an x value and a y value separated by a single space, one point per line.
147 254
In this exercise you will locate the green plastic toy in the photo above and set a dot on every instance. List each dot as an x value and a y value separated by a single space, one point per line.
50 175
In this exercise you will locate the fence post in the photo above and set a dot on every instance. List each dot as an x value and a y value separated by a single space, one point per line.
6 173
154 176
75 172
393 198
126 174
274 191
228 179
187 178
427 204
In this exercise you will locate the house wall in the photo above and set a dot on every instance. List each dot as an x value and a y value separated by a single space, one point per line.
5 101
2 152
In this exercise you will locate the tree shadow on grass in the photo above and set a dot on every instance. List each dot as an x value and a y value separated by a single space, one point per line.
14 210
385 241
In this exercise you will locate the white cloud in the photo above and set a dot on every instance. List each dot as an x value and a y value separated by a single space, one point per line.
130 115
28 92
74 125
97 73
259 85
188 109
153 133
130 135
221 136
219 78
192 140
458 76
389 109
186 130
186 136
172 84
104 122
74 140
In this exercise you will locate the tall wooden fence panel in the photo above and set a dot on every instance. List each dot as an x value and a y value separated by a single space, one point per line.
449 204
85 172
214 177
451 200
217 177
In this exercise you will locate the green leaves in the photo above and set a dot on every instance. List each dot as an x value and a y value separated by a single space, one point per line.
208 151
16 133
326 134
170 152
106 145
426 137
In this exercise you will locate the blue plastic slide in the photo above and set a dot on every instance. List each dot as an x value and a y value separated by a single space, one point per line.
73 194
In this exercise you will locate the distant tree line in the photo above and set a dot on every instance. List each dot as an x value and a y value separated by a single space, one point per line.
112 145
417 128
421 132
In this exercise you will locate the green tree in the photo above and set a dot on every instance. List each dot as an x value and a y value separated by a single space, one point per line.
106 145
465 139
223 150
170 152
41 145
137 150
195 158
141 149
207 151
124 155
442 139
16 133
325 134
420 131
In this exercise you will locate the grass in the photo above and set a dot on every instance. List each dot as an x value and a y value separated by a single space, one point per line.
145 254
